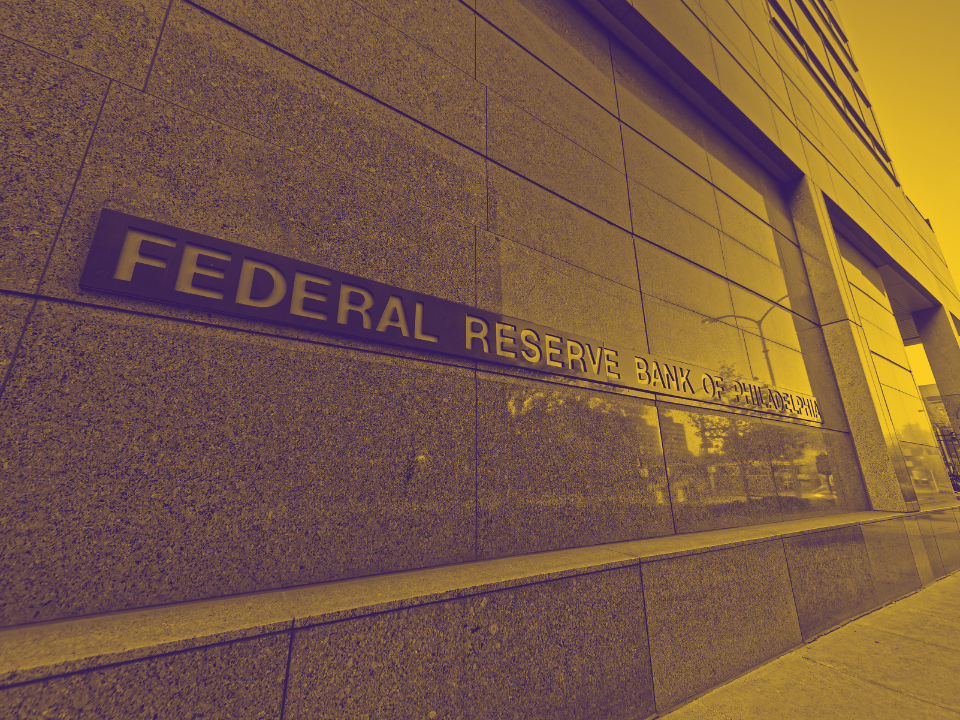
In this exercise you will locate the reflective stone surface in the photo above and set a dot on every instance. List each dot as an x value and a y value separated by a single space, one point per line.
669 277
230 76
676 332
945 529
728 470
524 144
927 473
154 462
573 648
712 615
535 217
564 467
524 283
563 37
891 559
929 539
520 77
919 550
831 578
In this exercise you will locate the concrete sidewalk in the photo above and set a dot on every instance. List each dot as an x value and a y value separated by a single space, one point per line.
901 661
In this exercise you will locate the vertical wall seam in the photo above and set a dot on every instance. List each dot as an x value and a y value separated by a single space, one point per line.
56 239
156 48
476 409
666 470
626 180
286 675
793 591
476 463
486 152
646 630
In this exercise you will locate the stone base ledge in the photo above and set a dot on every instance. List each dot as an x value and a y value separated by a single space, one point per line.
43 650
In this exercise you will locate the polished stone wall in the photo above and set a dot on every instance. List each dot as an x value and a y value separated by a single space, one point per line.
524 157
512 156
623 630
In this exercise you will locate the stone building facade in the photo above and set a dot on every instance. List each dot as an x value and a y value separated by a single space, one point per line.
438 359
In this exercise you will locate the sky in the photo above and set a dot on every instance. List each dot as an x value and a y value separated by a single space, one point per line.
909 60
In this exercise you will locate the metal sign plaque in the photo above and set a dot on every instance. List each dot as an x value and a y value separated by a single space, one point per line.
150 260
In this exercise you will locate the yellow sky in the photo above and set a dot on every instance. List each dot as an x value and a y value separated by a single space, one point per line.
909 59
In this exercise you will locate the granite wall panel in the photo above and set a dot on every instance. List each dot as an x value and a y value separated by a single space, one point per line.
684 30
232 77
670 277
777 364
928 537
570 648
116 39
754 271
355 46
152 461
47 116
14 310
740 87
562 466
845 467
242 680
532 216
671 227
739 176
831 576
510 71
656 111
891 560
523 283
656 169
823 382
713 615
675 332
741 224
406 663
730 470
446 27
562 35
165 163
529 147
948 539
919 550
761 317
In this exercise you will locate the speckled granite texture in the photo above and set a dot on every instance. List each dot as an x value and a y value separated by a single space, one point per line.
832 578
713 615
46 118
116 39
190 462
222 682
323 506
571 648
550 634
565 467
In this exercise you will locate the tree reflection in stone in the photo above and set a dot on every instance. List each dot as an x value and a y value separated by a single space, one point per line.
728 469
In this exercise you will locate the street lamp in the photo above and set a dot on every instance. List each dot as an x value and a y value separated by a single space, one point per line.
759 324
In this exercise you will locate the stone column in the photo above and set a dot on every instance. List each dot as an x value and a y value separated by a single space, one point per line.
942 346
885 472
